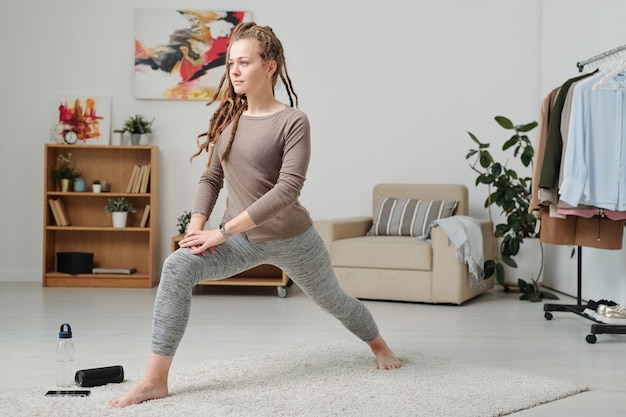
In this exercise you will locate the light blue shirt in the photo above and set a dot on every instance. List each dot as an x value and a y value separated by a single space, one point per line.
594 171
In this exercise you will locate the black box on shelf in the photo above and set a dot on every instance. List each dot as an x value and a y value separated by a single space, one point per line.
75 262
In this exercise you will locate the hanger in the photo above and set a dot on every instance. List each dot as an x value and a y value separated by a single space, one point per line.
608 82
601 58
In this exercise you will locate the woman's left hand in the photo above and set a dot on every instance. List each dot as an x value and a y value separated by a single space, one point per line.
202 241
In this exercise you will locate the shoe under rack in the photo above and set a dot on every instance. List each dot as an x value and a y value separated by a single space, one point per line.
598 327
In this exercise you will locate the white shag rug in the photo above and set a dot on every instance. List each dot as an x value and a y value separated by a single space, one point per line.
331 379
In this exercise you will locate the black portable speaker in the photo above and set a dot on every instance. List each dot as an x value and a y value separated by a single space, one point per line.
99 376
75 262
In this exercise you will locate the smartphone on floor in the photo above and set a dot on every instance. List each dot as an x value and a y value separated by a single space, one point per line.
68 393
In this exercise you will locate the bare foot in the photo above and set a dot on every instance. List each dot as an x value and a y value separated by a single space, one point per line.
144 390
387 360
385 357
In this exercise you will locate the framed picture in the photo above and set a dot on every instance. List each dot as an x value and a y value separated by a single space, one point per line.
83 120
181 54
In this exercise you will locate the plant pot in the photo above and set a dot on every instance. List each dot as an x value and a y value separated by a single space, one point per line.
96 188
529 263
144 139
134 138
119 218
65 184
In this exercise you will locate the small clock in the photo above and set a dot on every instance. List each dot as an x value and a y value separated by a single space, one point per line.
70 137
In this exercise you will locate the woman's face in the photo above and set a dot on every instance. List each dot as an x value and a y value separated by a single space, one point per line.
249 74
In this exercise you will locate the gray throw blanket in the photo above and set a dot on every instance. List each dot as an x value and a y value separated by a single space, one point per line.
465 234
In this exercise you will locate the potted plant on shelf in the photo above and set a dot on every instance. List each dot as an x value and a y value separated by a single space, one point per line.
183 222
139 128
118 208
65 171
511 192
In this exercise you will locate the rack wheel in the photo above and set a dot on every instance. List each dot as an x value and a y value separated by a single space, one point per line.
548 315
591 338
282 292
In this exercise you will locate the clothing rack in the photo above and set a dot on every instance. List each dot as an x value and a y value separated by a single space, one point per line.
579 308
600 58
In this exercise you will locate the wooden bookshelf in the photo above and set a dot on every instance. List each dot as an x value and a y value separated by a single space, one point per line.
90 229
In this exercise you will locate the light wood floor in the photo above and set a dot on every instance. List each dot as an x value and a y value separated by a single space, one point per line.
112 327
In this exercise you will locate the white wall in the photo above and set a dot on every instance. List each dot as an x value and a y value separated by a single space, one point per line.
573 31
391 89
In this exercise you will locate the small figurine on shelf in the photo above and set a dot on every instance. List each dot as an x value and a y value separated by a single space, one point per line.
64 171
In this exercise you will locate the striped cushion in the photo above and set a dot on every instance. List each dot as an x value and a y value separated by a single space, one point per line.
409 217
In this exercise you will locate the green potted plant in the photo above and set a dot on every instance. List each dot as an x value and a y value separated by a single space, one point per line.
531 291
65 171
118 208
138 126
511 192
183 222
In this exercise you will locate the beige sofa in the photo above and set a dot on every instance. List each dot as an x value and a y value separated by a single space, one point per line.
403 268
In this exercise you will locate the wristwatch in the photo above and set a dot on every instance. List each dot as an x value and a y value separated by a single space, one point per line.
224 232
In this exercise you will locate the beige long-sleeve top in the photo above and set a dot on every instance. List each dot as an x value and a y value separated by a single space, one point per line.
264 173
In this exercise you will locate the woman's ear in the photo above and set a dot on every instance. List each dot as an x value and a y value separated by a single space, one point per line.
271 67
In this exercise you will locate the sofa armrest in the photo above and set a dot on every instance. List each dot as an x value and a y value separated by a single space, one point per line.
440 240
488 239
336 229
450 282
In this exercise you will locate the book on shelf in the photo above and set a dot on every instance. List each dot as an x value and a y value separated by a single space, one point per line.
133 178
145 178
139 179
145 216
64 217
125 271
53 209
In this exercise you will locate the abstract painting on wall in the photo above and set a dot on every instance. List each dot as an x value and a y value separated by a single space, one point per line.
181 54
84 120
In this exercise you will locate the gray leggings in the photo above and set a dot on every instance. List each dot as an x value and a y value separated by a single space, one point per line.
304 258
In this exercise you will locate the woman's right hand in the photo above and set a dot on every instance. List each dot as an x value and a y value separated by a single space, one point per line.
202 241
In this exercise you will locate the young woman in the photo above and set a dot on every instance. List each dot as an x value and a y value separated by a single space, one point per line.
261 147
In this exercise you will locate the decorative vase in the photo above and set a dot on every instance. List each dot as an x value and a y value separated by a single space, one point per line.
134 138
117 138
65 184
119 218
104 186
529 261
80 185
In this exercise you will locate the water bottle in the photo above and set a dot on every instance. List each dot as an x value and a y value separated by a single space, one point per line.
65 357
